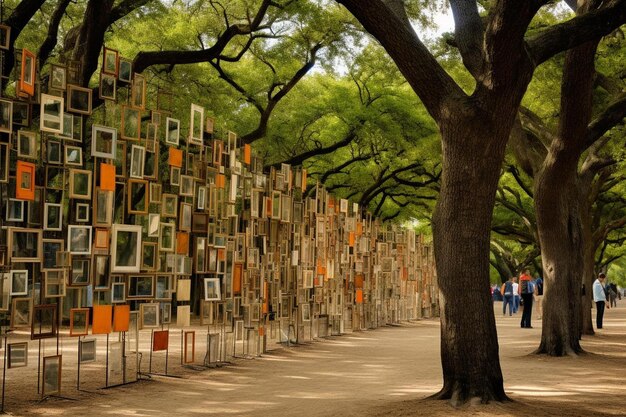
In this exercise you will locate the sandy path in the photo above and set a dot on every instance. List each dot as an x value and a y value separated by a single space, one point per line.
388 371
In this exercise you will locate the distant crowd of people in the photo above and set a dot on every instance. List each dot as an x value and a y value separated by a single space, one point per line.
522 291
526 291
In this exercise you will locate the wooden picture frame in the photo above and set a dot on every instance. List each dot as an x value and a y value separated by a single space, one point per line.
101 240
21 312
125 72
80 184
27 144
167 237
80 274
54 280
196 125
78 99
58 77
149 256
25 245
51 114
52 369
81 212
53 152
172 131
189 355
101 273
126 248
6 116
140 286
19 282
15 210
110 61
108 87
79 322
5 37
137 161
138 92
118 292
103 141
21 113
137 197
73 155
79 239
17 355
103 208
4 162
50 247
131 123
212 290
44 322
149 313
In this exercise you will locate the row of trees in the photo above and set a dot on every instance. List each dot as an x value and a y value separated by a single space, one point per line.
471 122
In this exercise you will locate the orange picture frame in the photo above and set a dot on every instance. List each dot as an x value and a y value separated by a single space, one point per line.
102 317
27 73
121 318
107 177
25 181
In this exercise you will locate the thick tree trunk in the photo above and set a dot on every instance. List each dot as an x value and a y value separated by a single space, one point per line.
472 157
561 239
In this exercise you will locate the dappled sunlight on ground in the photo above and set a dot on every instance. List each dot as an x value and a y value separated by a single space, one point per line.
387 372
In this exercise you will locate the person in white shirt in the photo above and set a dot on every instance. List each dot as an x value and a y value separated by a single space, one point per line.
516 297
599 296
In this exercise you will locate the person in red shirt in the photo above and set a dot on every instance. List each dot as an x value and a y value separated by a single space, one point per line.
526 290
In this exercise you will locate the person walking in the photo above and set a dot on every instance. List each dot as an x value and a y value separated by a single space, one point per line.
515 295
507 296
599 296
539 296
526 290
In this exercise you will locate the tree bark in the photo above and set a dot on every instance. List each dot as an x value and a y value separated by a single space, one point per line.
561 240
461 229
589 260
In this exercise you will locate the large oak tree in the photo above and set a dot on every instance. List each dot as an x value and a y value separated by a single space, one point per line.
474 129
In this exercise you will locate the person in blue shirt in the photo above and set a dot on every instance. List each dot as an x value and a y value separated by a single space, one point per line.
599 296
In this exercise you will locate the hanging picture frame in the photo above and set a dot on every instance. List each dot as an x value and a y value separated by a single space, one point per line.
15 210
125 70
19 282
138 92
140 286
196 122
17 355
5 37
126 248
28 72
25 181
79 322
27 144
51 114
172 131
78 99
51 375
73 156
44 322
103 141
131 123
108 87
58 77
25 245
79 239
55 283
80 184
137 160
110 61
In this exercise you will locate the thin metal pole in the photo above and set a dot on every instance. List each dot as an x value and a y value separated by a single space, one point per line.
106 377
124 357
39 368
4 370
151 342
78 374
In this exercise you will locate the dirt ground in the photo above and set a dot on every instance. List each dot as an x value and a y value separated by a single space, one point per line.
384 372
